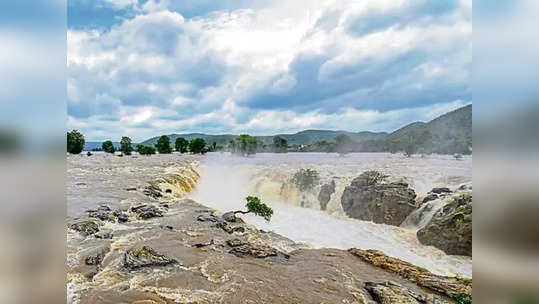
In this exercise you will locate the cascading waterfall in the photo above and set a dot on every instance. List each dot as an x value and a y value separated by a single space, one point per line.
225 183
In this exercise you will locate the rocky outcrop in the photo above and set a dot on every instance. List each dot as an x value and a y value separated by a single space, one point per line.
390 292
243 249
430 197
450 229
145 257
324 196
85 228
452 287
147 211
440 190
370 198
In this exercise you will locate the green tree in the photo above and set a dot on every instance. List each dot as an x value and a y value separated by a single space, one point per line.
181 144
163 145
197 145
280 145
108 146
125 145
246 145
410 147
254 205
145 150
75 142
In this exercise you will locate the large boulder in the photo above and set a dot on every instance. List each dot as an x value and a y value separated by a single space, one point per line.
450 229
370 198
325 194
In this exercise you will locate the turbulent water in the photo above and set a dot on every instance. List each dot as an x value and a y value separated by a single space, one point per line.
226 181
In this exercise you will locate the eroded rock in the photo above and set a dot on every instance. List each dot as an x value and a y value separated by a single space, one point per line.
85 228
243 249
450 229
324 196
370 198
449 286
147 211
440 190
145 257
430 197
393 293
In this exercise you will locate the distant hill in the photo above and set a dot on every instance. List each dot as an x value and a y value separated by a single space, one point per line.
96 145
447 134
300 138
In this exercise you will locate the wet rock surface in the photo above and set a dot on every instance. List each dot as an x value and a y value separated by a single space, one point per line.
145 257
450 229
449 286
147 211
326 191
370 198
85 228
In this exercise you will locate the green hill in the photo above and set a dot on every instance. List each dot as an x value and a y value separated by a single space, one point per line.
447 134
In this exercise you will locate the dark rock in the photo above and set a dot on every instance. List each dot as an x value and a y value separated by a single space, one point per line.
145 257
369 198
85 228
153 191
200 245
235 242
229 217
120 216
390 292
450 229
440 190
131 189
325 194
230 228
89 153
168 191
93 260
147 211
257 251
208 218
105 235
430 197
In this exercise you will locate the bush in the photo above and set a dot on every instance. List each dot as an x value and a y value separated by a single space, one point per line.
108 146
145 150
75 142
125 145
197 145
181 144
163 145
463 298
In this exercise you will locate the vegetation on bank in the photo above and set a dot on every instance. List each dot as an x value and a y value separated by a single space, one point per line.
75 142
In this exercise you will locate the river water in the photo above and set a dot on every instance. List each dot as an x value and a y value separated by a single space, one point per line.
226 180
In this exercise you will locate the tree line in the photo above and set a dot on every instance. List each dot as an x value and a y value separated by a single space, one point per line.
76 141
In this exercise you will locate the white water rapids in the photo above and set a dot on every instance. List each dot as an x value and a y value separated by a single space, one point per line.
227 180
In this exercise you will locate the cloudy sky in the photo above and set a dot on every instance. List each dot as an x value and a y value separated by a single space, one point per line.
143 68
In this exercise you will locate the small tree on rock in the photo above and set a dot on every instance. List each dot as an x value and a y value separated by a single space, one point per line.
254 205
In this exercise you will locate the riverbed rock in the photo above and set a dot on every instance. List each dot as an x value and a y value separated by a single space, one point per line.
145 256
147 211
449 286
440 190
120 216
430 197
324 196
390 292
209 218
450 229
103 213
370 198
229 217
153 191
85 228
243 249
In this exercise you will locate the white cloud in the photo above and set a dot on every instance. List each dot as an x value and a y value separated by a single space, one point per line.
257 70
